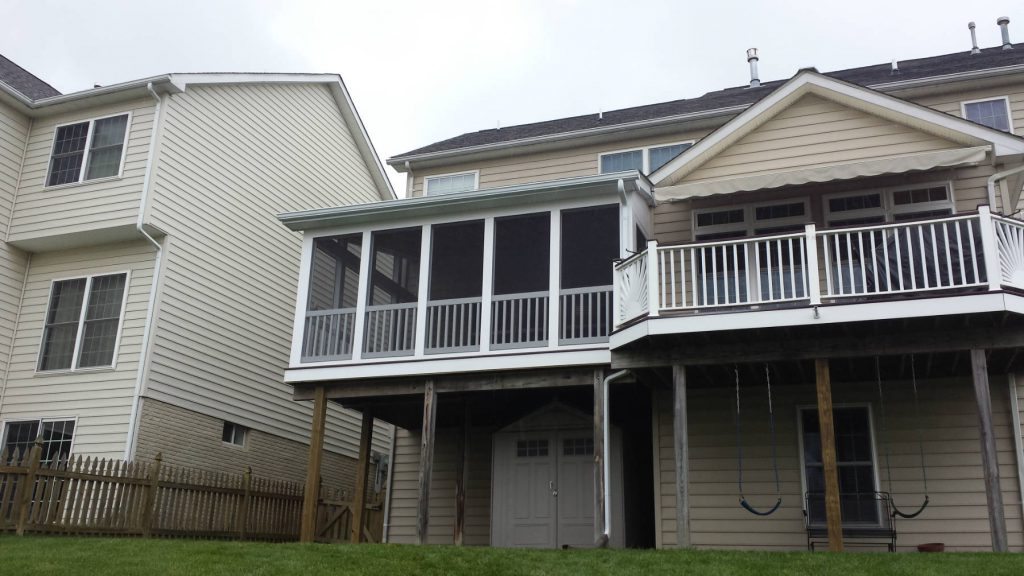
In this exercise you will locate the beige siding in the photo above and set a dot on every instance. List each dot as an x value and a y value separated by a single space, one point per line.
950 102
230 159
13 132
88 206
442 489
957 515
101 399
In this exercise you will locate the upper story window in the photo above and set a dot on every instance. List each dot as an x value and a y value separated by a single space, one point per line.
451 183
738 221
88 150
645 160
83 320
994 113
889 205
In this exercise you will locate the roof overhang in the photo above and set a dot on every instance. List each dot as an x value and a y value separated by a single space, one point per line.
526 195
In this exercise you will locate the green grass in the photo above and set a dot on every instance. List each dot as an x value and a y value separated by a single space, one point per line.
108 556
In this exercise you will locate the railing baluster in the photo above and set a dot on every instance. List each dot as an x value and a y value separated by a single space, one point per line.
949 257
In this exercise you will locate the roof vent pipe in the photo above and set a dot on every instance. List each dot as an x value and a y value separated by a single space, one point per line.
895 69
974 39
1004 25
752 60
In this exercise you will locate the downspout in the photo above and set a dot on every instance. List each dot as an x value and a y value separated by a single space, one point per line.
391 482
992 187
147 183
1018 440
606 425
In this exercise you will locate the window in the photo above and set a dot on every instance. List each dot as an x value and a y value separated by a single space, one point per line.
854 460
88 150
739 221
57 436
646 160
578 447
994 113
451 183
889 205
234 434
531 448
83 320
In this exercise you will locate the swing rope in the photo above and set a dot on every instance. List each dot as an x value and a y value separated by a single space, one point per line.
920 440
739 447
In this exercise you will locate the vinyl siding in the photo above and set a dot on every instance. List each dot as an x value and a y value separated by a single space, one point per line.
13 132
405 489
950 102
957 515
87 206
230 158
101 399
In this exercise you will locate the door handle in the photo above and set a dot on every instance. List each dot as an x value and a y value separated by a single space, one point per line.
551 486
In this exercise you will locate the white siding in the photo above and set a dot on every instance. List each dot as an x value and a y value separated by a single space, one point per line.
88 206
100 399
13 131
230 158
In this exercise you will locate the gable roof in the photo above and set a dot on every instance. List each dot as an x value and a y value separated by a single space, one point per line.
729 100
23 81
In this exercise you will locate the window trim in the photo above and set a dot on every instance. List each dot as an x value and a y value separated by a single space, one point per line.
1006 101
85 157
889 211
874 449
646 154
427 179
236 427
40 420
749 222
81 322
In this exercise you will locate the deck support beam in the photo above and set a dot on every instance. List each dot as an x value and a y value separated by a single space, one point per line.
426 461
833 512
362 478
600 530
311 495
681 442
461 473
989 459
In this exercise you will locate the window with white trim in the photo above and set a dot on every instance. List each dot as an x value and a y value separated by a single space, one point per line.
994 113
864 208
646 160
450 183
56 435
83 319
88 150
778 217
855 462
234 434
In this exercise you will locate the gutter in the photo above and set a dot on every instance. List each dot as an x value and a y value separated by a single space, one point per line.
391 482
992 186
147 184
607 457
146 83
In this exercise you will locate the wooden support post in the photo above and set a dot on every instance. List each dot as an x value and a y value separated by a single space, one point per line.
989 460
311 496
426 461
599 488
28 488
681 442
243 510
149 511
833 513
362 476
461 473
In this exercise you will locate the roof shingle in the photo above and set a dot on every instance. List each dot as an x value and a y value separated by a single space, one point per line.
24 81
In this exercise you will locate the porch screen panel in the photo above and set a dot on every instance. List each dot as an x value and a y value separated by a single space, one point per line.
331 304
589 246
456 286
393 293
854 460
519 312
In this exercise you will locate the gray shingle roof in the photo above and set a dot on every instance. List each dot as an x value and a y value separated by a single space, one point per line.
730 97
23 81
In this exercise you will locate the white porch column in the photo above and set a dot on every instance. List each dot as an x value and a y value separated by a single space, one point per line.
487 288
554 277
811 250
365 255
653 279
424 284
301 301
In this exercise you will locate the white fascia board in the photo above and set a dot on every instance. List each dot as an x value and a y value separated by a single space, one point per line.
481 362
808 81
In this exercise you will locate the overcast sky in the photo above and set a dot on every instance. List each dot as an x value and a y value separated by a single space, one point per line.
423 71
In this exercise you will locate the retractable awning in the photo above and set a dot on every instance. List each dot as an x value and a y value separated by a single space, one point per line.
827 173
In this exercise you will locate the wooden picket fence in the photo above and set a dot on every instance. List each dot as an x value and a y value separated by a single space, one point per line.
334 517
112 497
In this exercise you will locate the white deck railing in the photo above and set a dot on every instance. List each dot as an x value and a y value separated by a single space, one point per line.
390 330
328 335
519 320
585 315
959 252
453 325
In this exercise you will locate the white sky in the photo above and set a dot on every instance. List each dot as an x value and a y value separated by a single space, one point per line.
422 71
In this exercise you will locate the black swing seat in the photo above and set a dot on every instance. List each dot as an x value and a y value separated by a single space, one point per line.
877 527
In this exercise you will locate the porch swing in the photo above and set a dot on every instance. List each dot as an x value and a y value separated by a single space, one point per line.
739 448
885 441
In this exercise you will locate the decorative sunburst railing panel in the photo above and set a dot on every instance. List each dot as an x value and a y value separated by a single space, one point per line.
1010 239
631 283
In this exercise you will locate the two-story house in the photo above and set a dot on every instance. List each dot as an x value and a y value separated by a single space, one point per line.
146 286
774 314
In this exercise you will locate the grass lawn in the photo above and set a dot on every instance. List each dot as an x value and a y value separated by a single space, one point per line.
108 556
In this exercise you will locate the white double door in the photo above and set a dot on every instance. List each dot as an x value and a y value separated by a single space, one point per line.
544 489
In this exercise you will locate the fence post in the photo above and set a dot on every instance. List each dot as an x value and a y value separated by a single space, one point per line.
813 274
34 457
990 248
148 511
243 511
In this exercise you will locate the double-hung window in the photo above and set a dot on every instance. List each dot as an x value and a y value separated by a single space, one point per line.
451 183
994 113
83 320
645 160
57 436
88 150
854 460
